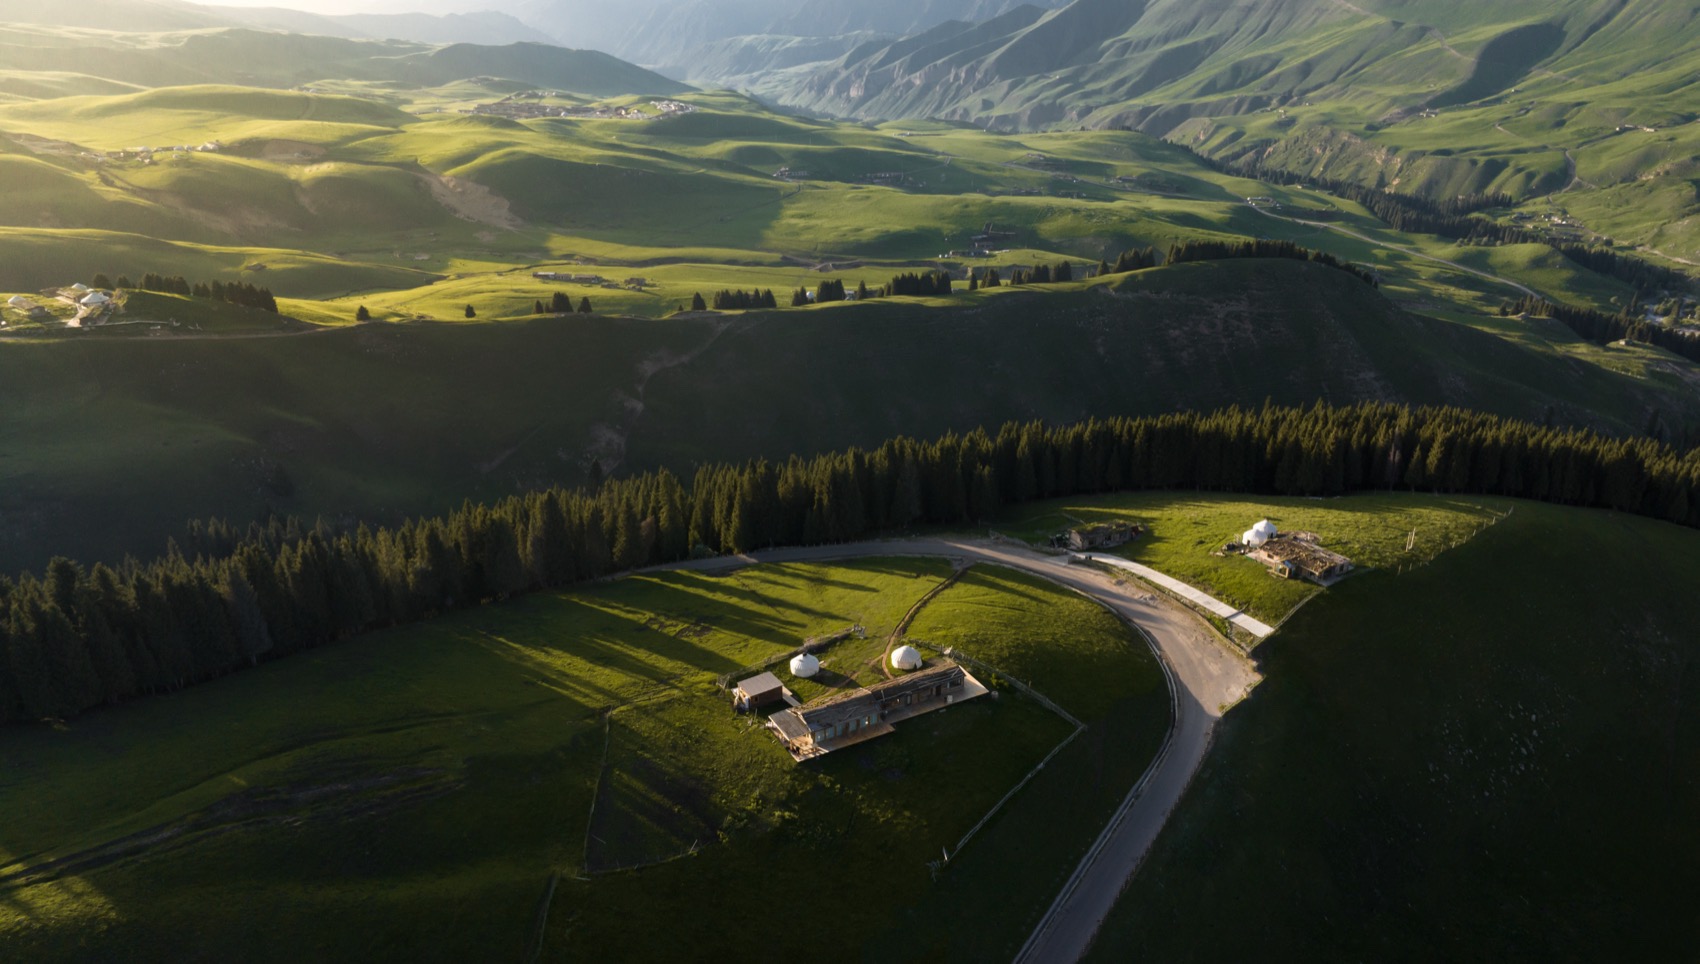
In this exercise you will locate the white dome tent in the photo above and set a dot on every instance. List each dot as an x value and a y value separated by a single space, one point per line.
804 665
1258 534
905 658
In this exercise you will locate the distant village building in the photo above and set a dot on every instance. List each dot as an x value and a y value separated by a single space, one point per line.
1102 535
20 302
847 719
586 279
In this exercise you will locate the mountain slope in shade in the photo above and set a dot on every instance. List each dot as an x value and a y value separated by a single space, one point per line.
671 34
486 27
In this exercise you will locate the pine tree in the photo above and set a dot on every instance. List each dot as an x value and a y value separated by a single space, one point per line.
697 304
361 314
584 305
471 312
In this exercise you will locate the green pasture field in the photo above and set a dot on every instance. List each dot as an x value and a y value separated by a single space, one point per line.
338 187
1185 533
1491 756
479 742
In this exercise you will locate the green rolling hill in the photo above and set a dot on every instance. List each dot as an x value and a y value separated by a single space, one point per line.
377 421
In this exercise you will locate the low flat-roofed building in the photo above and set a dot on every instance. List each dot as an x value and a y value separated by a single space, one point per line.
1294 558
850 718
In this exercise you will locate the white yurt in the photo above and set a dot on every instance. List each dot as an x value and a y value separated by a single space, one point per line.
804 665
95 300
905 657
1258 534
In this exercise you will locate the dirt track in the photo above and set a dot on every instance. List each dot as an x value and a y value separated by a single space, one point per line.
1205 679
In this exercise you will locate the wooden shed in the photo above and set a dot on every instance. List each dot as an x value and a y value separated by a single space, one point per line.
758 691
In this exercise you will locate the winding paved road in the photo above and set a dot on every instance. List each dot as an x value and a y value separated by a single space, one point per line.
1205 679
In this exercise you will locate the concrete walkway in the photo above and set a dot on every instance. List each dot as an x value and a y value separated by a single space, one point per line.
1203 601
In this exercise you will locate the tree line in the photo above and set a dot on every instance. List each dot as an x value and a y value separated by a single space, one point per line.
1042 274
743 300
235 292
72 638
927 283
1601 328
1185 251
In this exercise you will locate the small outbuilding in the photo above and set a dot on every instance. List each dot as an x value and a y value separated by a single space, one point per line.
804 665
95 300
906 658
19 301
1102 535
758 691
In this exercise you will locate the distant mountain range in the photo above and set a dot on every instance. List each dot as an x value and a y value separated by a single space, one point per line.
673 34
152 16
1132 61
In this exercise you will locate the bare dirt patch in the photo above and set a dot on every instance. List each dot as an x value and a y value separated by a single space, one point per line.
286 150
471 202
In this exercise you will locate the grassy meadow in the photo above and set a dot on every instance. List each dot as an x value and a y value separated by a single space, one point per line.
1491 756
537 747
1185 533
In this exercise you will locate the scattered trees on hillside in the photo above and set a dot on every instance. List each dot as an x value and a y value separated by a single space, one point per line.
72 638
1455 218
560 303
1137 259
1601 328
361 314
584 305
235 292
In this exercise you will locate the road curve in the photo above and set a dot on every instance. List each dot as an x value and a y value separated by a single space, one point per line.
1205 679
